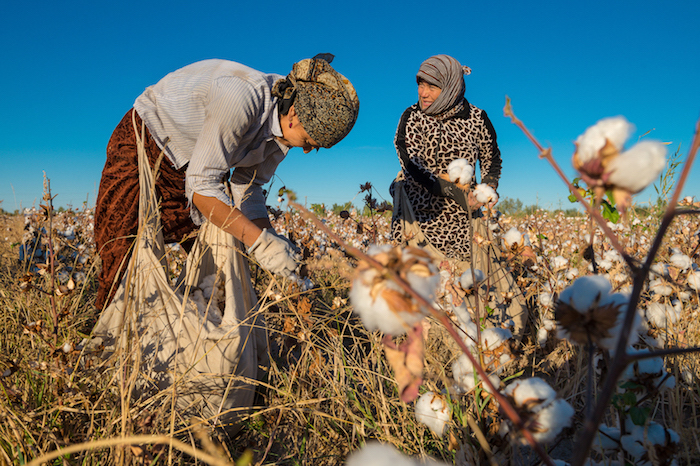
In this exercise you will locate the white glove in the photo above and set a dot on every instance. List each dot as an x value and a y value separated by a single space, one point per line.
275 254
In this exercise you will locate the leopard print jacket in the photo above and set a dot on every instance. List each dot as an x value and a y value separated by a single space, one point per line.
432 143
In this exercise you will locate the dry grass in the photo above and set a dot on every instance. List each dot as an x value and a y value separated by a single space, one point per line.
329 388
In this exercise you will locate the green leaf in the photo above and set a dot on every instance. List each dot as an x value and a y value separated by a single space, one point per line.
610 213
629 385
629 398
572 198
639 415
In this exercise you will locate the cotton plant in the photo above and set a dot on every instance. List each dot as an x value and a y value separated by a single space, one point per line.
604 164
433 411
543 413
380 302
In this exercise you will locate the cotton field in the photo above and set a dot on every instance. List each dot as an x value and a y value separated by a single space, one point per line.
360 358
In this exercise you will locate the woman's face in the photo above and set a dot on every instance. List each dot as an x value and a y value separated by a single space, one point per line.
294 135
427 94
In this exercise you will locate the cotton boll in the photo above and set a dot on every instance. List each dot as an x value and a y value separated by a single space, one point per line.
585 292
637 167
549 324
545 299
538 404
571 273
605 264
485 194
467 279
648 374
660 269
682 261
657 314
381 303
612 255
640 440
559 262
694 280
512 237
465 321
616 130
375 312
534 389
660 287
378 454
465 177
553 419
542 335
607 441
456 170
466 377
454 173
463 373
492 338
458 163
433 411
633 442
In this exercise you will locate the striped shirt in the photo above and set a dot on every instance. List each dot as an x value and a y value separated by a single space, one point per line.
216 115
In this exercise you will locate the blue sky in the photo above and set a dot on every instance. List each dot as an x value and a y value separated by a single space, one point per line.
70 70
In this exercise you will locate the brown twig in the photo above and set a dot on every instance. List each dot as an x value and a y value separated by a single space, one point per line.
547 155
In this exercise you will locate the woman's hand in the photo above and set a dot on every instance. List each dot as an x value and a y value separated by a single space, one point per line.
275 253
473 203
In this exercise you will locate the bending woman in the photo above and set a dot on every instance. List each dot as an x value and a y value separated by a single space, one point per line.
441 127
206 119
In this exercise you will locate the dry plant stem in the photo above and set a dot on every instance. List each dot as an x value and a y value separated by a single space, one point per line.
547 154
52 295
136 440
621 359
446 322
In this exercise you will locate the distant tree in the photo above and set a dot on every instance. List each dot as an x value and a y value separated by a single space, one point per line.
319 209
510 206
337 208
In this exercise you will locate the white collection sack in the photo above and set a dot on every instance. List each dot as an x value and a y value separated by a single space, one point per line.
166 339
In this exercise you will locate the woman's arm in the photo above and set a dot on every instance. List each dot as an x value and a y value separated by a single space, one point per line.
489 155
230 219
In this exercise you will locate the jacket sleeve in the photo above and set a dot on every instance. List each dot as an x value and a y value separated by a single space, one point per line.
489 154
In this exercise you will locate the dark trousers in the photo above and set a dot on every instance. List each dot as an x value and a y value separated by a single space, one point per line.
117 206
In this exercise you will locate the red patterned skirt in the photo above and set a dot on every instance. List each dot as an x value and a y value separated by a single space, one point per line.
117 207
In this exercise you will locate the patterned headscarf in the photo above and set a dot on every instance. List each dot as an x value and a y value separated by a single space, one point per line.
324 100
446 73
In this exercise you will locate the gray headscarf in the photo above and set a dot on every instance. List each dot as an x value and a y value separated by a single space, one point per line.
446 73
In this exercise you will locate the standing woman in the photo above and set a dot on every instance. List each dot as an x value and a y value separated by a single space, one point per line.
201 121
441 127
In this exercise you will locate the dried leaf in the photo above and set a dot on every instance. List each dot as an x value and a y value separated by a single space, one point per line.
407 360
